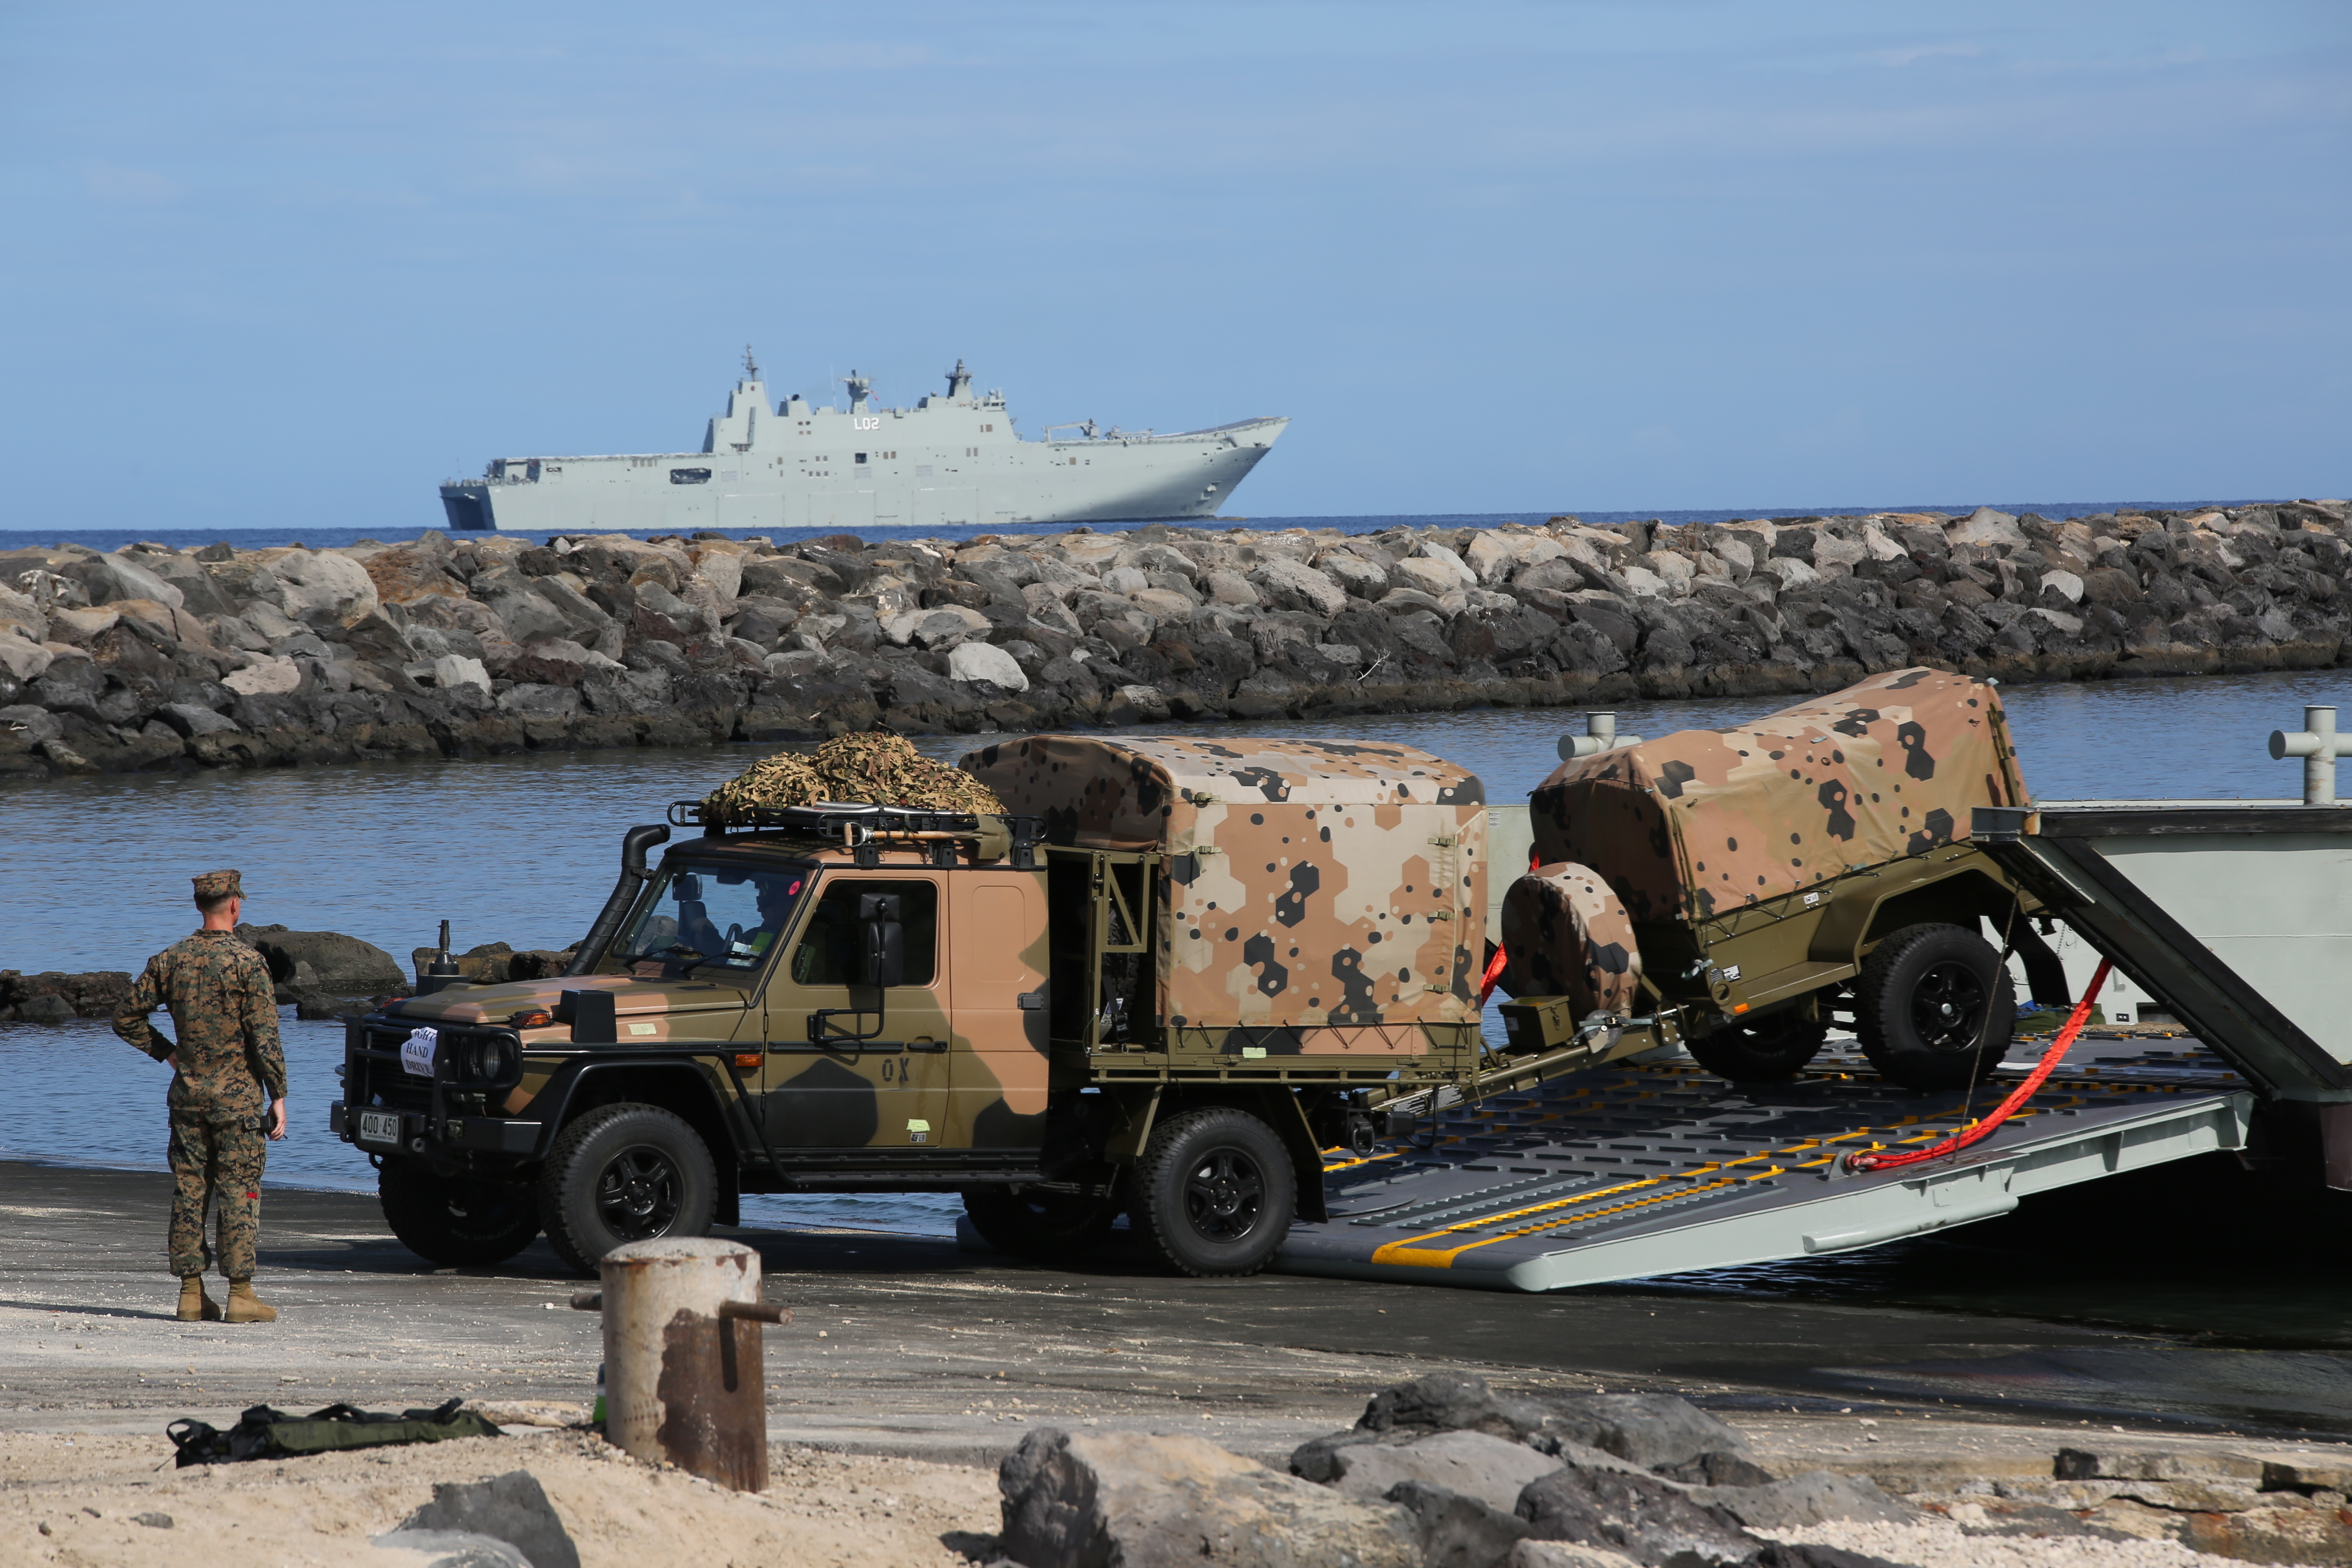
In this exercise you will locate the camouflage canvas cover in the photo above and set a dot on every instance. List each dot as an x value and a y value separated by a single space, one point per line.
1316 885
1701 821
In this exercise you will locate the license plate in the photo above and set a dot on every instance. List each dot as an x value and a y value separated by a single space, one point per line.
379 1127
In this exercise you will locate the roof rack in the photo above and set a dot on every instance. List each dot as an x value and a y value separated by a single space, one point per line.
866 829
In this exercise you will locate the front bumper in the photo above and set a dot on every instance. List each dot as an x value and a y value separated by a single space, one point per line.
420 1135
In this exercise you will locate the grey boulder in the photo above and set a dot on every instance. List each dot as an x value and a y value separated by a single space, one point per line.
1657 1431
192 720
1475 1464
1639 1431
50 1010
1648 1520
1564 1555
1810 1499
512 1507
341 965
442 1549
1458 1531
1094 1499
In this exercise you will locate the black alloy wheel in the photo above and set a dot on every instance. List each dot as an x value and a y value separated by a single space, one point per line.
638 1193
1223 1193
1935 1007
1771 1049
455 1221
1948 1005
1215 1192
622 1173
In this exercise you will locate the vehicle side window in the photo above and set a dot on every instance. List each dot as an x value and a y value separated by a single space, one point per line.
829 945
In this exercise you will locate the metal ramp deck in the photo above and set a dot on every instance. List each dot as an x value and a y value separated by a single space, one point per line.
1625 1172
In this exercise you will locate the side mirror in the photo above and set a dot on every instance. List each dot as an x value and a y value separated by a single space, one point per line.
884 964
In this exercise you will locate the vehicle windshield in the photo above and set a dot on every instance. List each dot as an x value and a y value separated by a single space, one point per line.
707 919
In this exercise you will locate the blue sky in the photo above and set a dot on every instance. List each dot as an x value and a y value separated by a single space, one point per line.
274 263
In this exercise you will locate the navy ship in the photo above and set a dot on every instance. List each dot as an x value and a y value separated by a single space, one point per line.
950 460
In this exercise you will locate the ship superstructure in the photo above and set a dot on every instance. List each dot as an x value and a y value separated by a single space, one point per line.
951 460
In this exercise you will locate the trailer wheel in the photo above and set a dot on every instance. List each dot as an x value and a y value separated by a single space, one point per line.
621 1173
1935 1007
1215 1192
1770 1050
455 1221
1041 1224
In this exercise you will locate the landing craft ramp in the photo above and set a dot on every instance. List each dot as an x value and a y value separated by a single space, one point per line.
1629 1170
2230 915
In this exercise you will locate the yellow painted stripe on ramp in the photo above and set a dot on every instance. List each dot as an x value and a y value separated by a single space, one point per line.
1443 1258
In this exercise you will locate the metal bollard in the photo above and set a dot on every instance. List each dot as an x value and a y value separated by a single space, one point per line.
683 1369
2319 745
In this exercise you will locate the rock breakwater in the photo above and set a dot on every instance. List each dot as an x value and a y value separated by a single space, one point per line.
151 658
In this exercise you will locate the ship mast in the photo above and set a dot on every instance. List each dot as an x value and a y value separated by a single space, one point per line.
750 366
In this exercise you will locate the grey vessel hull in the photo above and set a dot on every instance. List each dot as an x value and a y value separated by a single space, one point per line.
946 461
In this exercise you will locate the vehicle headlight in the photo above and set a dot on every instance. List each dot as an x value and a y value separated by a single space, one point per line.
492 1060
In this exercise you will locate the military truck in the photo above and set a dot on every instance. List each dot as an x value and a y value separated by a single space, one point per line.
1734 891
1166 978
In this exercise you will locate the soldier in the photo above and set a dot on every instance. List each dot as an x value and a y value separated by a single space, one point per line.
228 1071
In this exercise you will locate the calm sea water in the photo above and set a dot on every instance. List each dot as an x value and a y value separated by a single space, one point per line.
427 516
521 849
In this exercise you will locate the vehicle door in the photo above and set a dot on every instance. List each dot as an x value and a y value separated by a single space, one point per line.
823 1088
997 954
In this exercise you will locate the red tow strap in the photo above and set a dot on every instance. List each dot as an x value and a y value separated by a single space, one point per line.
1493 972
1886 1160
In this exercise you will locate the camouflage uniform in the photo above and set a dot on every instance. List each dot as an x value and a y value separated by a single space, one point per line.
230 1068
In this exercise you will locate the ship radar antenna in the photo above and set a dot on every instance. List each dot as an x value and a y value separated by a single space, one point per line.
958 380
750 366
859 387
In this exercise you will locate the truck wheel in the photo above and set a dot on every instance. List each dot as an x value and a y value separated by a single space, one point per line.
622 1173
1769 1051
457 1221
1935 1007
1215 1192
1041 1224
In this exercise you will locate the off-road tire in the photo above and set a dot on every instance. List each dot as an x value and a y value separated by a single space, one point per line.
1772 1049
1215 1192
455 1221
621 1173
1935 1007
1041 1224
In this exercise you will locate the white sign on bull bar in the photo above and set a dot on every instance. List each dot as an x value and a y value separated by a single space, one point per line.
416 1051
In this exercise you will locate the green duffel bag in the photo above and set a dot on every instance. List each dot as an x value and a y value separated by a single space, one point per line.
263 1433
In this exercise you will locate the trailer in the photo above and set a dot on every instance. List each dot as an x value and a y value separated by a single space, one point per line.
2228 917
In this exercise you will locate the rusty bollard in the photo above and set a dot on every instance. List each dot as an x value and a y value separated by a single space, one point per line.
683 1372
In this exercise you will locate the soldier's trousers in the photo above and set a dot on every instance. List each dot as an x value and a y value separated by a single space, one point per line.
216 1155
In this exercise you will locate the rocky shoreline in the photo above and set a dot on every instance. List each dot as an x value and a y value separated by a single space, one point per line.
151 658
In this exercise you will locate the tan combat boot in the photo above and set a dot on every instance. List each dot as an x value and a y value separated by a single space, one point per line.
245 1307
196 1307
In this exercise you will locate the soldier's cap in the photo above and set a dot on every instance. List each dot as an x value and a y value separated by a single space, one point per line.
219 885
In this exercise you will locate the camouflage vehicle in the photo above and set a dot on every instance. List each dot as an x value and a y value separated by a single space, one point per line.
1738 890
1165 978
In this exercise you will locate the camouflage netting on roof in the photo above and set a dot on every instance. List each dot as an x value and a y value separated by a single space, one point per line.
872 765
1311 886
1701 821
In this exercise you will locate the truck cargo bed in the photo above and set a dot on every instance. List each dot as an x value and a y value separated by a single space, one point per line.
1630 1170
